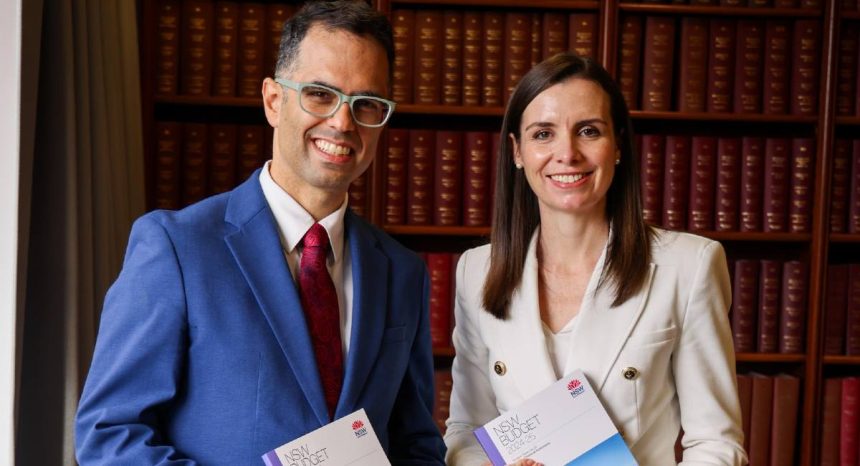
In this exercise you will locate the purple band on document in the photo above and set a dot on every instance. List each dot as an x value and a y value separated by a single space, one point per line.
489 447
271 459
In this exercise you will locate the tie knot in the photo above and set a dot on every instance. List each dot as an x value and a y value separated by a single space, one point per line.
316 237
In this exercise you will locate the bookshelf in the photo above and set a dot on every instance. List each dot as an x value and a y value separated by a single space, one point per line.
813 127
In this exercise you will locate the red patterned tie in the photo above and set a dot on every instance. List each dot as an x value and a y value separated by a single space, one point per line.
319 300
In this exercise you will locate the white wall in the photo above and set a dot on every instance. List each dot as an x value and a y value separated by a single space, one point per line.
10 102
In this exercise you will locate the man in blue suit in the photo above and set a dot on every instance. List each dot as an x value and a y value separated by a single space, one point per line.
206 353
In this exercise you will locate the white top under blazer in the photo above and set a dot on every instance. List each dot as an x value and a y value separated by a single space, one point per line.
660 362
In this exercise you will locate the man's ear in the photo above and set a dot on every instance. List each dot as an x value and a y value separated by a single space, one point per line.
272 99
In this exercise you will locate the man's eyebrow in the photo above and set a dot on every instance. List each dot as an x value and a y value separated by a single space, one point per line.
368 93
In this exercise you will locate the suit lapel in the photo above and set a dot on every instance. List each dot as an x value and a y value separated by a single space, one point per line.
369 307
258 252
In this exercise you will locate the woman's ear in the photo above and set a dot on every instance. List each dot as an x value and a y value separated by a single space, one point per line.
515 150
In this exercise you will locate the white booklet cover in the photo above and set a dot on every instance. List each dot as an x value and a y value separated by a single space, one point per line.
349 440
565 424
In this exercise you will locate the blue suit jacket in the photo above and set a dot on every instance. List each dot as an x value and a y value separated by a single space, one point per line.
203 354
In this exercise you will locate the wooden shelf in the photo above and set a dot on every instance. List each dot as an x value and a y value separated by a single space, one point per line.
842 360
413 109
770 357
756 236
212 101
536 4
436 230
720 10
850 15
848 120
732 117
844 238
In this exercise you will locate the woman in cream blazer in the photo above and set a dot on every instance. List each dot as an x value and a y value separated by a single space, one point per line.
660 358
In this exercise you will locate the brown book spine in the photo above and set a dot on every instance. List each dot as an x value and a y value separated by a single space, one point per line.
251 152
811 4
854 200
582 34
752 171
196 47
748 66
493 50
852 312
222 158
658 60
473 58
452 58
800 192
447 200
702 181
629 59
849 422
403 27
804 69
693 65
276 15
847 62
770 289
168 165
251 49
194 163
517 51
776 183
783 3
439 267
554 36
762 416
721 65
420 179
443 382
792 320
728 183
835 308
224 55
396 162
733 3
495 147
745 397
167 47
428 57
676 183
653 158
777 53
830 417
537 32
786 400
744 305
840 186
358 198
476 186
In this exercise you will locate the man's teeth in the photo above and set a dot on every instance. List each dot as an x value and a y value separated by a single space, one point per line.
567 178
330 148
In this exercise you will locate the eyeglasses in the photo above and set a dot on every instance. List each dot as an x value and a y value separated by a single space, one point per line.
322 102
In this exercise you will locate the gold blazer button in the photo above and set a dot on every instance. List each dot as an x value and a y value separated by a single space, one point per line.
630 373
500 368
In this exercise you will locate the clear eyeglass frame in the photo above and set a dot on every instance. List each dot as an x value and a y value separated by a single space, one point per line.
349 99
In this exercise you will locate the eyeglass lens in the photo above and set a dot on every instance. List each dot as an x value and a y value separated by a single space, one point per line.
321 101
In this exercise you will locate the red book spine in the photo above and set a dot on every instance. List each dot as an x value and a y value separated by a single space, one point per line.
748 67
762 415
250 152
658 60
792 319
852 312
358 199
222 158
448 179
804 69
495 143
745 396
168 165
702 180
196 47
847 62
777 53
428 57
752 171
493 48
744 305
251 49
276 15
800 194
443 383
786 399
728 183
629 59
582 34
653 148
224 59
835 309
452 58
840 186
167 47
403 27
537 32
194 163
419 185
476 174
854 202
554 38
439 266
693 66
776 184
473 58
676 182
770 289
396 161
517 52
721 65
849 421
831 413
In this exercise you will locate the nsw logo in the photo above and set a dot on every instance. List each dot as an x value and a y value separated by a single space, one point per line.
358 429
575 387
